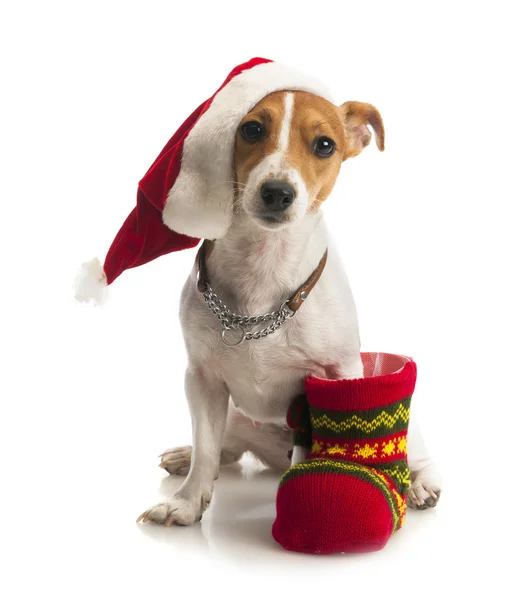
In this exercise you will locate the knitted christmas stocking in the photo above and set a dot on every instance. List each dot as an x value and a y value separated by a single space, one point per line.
349 495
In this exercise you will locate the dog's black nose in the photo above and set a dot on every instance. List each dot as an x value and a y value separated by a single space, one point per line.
277 195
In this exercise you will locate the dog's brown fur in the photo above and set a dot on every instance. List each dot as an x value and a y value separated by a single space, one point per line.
313 117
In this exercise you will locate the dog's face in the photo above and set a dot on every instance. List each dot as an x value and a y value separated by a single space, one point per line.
288 153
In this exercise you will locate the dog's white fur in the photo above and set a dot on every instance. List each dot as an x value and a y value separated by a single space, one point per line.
239 396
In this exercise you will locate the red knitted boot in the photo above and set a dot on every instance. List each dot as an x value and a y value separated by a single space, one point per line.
349 495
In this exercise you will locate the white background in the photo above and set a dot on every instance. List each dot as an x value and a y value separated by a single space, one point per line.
429 231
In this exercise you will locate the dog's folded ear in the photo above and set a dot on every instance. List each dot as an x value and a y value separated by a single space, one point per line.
357 116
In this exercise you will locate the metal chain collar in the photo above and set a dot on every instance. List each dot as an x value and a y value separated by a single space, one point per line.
233 322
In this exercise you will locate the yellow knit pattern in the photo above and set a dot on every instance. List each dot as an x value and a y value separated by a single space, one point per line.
401 475
375 450
383 419
401 507
377 478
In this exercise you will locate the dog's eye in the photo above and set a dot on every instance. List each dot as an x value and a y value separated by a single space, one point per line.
323 147
252 131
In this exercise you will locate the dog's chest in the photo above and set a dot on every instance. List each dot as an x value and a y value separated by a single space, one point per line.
263 376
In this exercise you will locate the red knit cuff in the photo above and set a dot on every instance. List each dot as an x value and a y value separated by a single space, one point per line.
387 378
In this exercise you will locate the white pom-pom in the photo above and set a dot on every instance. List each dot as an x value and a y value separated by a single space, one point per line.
90 283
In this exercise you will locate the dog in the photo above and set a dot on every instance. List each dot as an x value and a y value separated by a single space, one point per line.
288 153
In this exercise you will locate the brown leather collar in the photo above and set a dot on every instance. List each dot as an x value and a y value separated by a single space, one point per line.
294 303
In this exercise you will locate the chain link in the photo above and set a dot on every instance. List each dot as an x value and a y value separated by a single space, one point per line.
231 321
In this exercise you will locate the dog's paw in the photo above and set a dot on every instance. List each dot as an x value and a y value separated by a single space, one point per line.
176 461
425 489
177 510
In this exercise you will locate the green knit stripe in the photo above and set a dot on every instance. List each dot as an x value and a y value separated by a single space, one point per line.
361 424
368 474
399 472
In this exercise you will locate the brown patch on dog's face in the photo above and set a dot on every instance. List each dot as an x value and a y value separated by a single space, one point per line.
298 141
316 122
269 113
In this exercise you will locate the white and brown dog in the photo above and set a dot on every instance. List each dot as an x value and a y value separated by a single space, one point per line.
288 152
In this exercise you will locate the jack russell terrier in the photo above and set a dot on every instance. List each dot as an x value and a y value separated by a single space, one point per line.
268 304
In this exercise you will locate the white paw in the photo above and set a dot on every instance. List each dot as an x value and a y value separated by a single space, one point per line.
177 510
176 460
425 489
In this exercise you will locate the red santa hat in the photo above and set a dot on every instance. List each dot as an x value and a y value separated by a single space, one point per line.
187 194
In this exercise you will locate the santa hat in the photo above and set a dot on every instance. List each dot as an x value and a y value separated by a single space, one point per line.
187 194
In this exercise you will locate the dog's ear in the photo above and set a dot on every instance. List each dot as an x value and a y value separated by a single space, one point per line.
357 116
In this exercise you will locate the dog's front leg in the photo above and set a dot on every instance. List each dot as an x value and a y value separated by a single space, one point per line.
425 480
208 400
299 454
